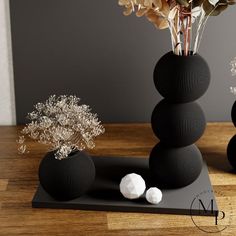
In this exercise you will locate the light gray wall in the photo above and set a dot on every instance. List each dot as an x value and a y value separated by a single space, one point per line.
90 49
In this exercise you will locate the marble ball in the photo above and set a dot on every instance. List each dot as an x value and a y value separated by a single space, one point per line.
132 186
154 195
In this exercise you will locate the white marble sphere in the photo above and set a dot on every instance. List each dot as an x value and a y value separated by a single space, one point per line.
154 195
132 186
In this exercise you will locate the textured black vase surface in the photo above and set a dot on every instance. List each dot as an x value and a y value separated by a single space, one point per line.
68 178
178 124
178 121
181 78
231 149
175 167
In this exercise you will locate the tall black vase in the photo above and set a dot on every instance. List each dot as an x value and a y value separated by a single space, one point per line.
178 121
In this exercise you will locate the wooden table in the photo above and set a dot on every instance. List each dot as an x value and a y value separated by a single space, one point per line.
18 182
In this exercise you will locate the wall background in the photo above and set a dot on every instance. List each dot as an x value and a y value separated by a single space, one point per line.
90 49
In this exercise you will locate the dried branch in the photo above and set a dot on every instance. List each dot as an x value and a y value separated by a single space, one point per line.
178 16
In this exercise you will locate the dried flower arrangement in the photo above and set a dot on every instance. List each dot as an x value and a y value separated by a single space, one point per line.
186 19
64 125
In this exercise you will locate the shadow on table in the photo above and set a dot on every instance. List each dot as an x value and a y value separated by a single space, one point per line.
217 160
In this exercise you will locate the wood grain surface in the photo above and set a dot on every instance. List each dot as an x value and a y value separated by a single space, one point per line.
19 180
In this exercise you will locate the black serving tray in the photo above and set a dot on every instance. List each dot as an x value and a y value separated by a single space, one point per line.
104 195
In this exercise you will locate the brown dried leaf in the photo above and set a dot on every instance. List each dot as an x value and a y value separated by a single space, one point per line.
157 4
161 23
128 11
141 12
123 2
157 20
165 8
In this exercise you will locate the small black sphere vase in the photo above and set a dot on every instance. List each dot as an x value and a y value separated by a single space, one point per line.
178 121
68 178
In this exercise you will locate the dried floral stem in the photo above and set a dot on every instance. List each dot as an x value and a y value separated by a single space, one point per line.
185 32
174 26
201 27
179 16
174 37
189 32
173 43
198 31
204 25
177 27
179 31
201 33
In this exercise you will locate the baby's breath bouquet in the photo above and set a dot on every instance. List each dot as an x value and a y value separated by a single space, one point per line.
186 19
62 124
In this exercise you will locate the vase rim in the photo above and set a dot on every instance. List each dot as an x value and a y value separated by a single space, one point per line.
189 55
71 155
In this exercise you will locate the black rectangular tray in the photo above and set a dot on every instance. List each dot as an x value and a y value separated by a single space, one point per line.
105 195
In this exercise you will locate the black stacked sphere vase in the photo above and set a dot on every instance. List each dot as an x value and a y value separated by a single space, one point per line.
231 149
178 121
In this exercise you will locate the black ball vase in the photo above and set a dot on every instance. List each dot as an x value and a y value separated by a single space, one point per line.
231 152
175 167
178 124
181 79
178 121
68 178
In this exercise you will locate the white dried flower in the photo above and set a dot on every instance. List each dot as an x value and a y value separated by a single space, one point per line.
22 149
63 151
21 139
63 124
21 142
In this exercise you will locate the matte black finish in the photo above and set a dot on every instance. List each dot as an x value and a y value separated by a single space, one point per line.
178 125
233 113
104 194
68 178
181 78
178 121
231 148
175 167
231 151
